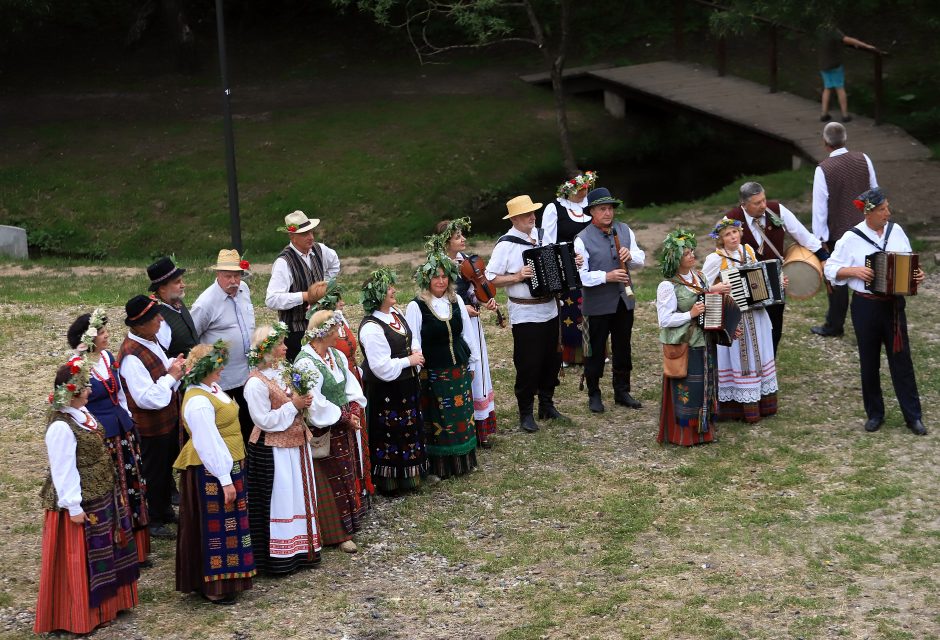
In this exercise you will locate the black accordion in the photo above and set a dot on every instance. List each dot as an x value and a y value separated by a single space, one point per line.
894 273
553 269
721 316
756 285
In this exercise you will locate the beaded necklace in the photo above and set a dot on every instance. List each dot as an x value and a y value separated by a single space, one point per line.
110 382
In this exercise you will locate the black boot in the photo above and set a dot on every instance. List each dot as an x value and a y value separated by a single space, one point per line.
622 390
528 423
595 403
548 411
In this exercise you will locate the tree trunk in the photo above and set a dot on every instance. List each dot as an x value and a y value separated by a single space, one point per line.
561 118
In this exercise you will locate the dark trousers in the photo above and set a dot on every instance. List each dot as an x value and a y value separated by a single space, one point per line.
244 417
158 453
838 308
537 360
292 342
776 323
619 326
874 327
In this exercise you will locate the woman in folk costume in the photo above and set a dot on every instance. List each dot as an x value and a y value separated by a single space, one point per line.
214 555
396 426
689 404
89 558
336 392
328 296
282 503
747 372
449 238
562 220
441 326
88 335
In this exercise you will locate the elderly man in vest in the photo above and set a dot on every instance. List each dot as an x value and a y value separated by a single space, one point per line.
838 179
177 334
150 380
300 265
765 222
607 299
224 312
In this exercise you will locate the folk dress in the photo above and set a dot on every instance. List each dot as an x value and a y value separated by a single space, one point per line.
348 344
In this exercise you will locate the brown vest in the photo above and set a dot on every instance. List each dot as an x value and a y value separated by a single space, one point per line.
295 435
846 177
301 277
150 422
95 469
774 233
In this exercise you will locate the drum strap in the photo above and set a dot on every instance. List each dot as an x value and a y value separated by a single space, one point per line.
767 241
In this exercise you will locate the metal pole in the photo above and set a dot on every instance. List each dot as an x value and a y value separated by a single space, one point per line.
234 216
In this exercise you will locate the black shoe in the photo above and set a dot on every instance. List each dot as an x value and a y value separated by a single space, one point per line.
624 399
226 600
486 444
826 332
825 117
170 517
528 423
873 424
162 531
549 412
175 499
917 428
595 403
846 118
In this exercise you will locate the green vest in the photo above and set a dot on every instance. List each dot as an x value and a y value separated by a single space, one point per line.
685 299
332 390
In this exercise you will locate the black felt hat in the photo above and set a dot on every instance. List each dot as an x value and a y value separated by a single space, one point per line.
163 271
601 196
139 310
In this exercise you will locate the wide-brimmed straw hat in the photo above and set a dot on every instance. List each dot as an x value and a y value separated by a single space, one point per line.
163 271
521 205
229 260
298 222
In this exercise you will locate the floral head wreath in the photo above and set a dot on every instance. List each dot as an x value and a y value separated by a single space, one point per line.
336 320
375 289
98 319
674 246
210 362
723 224
438 242
256 354
328 302
63 393
429 269
572 186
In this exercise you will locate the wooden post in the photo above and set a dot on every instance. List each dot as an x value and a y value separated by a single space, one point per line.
678 27
773 58
721 55
879 89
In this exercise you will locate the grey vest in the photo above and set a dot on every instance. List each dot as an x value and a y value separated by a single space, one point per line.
602 299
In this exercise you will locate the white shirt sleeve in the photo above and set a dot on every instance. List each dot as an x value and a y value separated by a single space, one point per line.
202 313
258 398
820 205
588 278
637 255
839 258
208 442
666 304
550 223
467 332
164 335
330 262
145 392
413 318
60 444
498 262
278 296
353 388
381 362
872 179
711 268
798 231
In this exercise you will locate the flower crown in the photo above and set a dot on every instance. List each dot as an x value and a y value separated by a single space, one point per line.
324 329
429 269
437 243
210 362
674 246
723 224
98 319
328 302
572 186
63 393
256 354
375 288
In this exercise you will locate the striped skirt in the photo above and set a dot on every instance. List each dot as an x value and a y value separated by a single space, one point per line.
687 413
339 506
125 454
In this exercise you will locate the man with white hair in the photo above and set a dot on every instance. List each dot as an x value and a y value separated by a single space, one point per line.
838 179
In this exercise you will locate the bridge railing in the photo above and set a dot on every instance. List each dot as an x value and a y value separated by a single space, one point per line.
773 32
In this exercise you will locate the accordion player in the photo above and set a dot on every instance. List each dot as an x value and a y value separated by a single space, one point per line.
894 273
721 316
756 285
553 269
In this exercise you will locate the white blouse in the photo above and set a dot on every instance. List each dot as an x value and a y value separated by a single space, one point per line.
208 442
550 217
712 265
61 445
373 343
324 413
441 307
258 398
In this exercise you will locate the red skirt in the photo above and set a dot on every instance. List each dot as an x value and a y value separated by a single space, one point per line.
63 582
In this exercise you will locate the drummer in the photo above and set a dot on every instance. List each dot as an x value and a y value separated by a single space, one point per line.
765 223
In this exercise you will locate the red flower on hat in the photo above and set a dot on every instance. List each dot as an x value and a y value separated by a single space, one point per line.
291 228
244 265
50 399
859 205
70 387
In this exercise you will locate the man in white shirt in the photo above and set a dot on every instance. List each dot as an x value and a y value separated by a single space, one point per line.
878 319
836 182
534 321
301 264
224 312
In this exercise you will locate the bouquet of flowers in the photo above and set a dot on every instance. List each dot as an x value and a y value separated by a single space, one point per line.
299 381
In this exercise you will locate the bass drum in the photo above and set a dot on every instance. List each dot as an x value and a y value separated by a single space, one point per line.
804 271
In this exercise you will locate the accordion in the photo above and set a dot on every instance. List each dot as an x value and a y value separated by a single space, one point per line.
721 316
553 269
894 273
756 285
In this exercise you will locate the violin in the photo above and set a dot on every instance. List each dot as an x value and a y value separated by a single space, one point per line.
472 269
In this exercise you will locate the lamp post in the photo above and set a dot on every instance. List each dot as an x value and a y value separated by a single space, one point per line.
234 215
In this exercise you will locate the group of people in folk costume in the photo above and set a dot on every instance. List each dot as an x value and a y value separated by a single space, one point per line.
280 434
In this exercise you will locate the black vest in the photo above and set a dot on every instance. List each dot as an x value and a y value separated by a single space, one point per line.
182 330
301 277
442 345
568 228
400 346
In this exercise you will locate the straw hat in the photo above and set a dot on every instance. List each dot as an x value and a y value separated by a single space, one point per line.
229 260
298 222
520 205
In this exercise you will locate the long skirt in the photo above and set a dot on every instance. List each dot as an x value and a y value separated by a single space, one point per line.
484 407
339 506
447 405
89 572
572 341
687 413
213 547
282 507
747 371
125 454
396 434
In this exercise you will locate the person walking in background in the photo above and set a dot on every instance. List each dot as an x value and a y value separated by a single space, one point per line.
830 43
